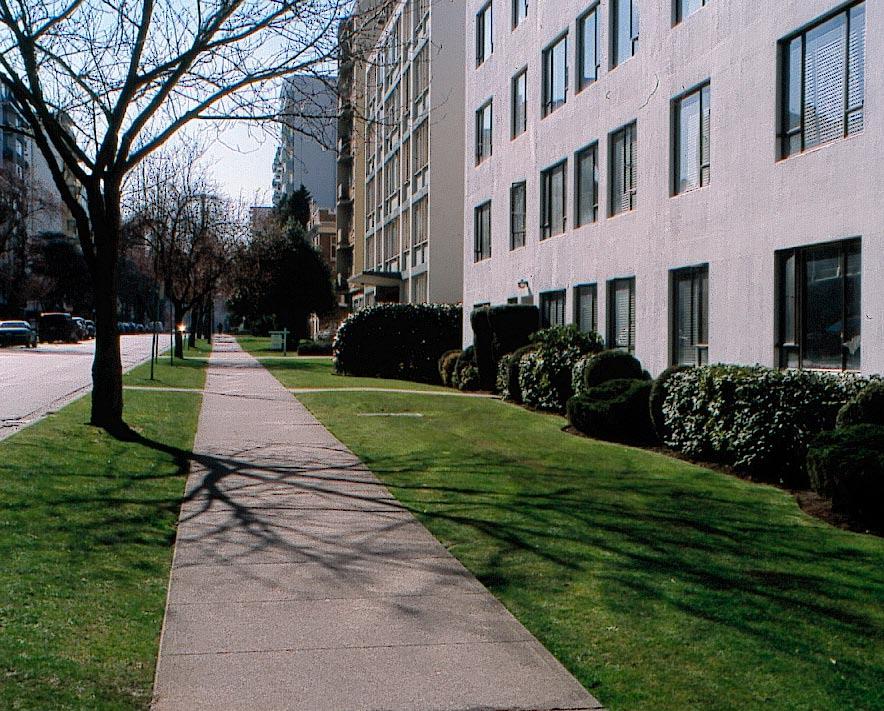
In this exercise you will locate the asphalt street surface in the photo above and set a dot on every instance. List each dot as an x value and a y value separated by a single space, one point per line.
35 382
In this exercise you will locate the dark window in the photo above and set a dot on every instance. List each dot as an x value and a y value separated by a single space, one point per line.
520 12
624 30
483 132
552 200
482 232
586 183
692 159
588 48
484 34
585 307
621 314
555 75
690 316
520 103
684 8
624 161
517 215
512 300
818 306
823 90
552 308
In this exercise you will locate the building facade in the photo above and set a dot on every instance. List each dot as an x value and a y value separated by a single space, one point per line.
697 180
306 153
413 151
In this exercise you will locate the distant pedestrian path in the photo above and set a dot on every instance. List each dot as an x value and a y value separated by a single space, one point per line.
299 582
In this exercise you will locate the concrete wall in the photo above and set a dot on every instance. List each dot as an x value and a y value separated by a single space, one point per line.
755 204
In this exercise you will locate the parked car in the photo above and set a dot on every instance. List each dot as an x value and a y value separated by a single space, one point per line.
57 326
82 331
90 328
17 333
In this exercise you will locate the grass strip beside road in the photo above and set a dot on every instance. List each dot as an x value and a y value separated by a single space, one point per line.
187 372
87 525
659 584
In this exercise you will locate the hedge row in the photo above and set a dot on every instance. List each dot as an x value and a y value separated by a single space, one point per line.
398 341
497 332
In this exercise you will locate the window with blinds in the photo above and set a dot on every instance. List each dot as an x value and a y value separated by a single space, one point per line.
585 307
823 92
624 30
552 308
552 200
555 75
690 316
692 156
517 215
586 183
482 232
621 314
483 132
818 306
624 149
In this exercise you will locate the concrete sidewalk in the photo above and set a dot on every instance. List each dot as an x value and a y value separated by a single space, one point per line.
299 582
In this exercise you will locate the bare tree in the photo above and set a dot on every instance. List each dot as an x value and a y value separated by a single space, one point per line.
102 85
189 230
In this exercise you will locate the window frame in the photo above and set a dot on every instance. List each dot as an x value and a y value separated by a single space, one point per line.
480 155
484 31
515 12
634 32
633 190
631 326
546 227
678 15
578 291
480 240
548 105
514 132
594 149
582 83
557 297
522 184
699 89
784 134
701 348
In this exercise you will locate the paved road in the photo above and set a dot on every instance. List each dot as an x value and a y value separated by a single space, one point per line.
36 382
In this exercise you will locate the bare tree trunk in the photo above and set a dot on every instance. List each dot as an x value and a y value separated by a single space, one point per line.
179 319
107 368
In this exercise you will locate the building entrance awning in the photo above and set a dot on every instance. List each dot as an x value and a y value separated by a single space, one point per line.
375 278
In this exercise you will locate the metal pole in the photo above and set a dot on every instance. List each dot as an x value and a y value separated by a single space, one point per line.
285 341
171 337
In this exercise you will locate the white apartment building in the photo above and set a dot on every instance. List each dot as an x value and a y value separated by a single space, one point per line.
414 147
697 180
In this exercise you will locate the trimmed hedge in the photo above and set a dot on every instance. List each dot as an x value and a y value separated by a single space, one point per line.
758 419
318 348
658 396
611 365
498 330
866 408
446 366
545 374
616 410
514 390
466 374
403 341
848 465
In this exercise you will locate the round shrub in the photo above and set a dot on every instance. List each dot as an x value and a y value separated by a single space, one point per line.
466 358
468 378
611 365
398 341
446 365
866 408
658 396
848 465
502 383
513 389
577 374
616 410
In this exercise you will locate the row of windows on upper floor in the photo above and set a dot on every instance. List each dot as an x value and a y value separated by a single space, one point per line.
817 309
822 68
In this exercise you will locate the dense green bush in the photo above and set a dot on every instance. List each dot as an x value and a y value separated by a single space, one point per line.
577 371
848 465
611 365
865 408
466 374
499 330
502 382
616 410
658 396
545 374
398 341
757 419
316 348
446 366
514 392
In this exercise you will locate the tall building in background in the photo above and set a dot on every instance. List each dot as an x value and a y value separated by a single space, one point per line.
306 151
410 93
707 189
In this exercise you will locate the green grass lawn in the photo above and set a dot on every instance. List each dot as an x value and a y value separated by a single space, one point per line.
86 530
260 346
659 584
188 372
